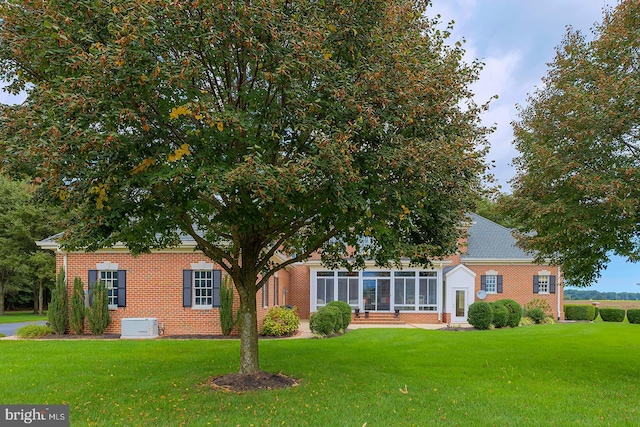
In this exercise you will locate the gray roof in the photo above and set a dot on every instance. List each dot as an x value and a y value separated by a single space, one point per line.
491 241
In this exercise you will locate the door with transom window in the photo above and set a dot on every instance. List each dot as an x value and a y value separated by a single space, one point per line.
376 290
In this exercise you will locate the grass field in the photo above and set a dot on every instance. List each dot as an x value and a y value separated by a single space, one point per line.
20 316
608 303
563 374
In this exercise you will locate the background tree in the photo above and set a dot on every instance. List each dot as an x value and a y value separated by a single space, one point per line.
254 127
576 196
43 268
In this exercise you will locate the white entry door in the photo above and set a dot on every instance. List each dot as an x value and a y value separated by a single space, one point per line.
460 305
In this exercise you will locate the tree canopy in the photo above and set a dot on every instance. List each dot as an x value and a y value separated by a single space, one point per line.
254 127
576 196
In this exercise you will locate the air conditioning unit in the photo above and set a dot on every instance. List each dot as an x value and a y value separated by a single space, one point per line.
139 328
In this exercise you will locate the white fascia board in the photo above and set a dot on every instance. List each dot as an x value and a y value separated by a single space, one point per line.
406 264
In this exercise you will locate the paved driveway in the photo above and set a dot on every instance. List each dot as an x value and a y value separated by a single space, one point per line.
9 329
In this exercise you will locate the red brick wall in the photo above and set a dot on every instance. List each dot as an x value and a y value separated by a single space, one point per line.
518 283
298 290
154 289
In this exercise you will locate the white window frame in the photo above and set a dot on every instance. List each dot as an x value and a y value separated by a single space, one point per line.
543 283
197 287
110 280
491 283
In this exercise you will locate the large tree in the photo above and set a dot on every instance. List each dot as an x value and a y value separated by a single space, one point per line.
576 196
254 127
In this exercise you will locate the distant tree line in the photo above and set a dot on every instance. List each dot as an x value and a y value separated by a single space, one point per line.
574 294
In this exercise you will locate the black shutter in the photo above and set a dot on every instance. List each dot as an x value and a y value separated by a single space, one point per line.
483 283
217 280
552 284
93 279
499 283
536 285
186 287
122 288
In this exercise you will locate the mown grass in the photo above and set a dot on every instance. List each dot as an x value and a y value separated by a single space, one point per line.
565 374
20 316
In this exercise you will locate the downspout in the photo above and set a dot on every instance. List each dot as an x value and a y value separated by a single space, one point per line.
65 265
558 290
441 308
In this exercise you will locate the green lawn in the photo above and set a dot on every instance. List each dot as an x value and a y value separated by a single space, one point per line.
20 316
566 374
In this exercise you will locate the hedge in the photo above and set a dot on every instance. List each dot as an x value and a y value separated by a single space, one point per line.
480 315
579 312
610 314
500 314
633 315
515 311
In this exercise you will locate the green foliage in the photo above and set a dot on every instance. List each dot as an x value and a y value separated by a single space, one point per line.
633 315
500 314
250 126
576 196
345 309
579 312
280 321
33 331
515 312
326 321
227 320
77 314
611 314
538 303
536 314
480 315
58 314
98 316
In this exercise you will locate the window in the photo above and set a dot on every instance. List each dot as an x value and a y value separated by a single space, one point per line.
404 290
276 290
490 284
265 295
114 280
348 287
428 291
201 286
203 289
324 287
110 280
544 283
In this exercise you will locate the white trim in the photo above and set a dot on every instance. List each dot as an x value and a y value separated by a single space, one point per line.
544 273
491 273
202 265
107 266
498 261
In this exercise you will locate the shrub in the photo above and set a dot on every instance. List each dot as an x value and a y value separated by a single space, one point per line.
98 316
280 321
500 314
76 316
579 312
58 314
326 321
610 314
345 309
227 322
33 331
480 315
536 314
538 303
633 315
515 312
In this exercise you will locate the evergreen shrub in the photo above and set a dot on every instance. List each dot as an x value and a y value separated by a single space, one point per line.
326 321
280 321
345 309
33 331
98 316
480 315
633 315
58 314
536 314
76 316
611 314
500 314
515 312
227 321
579 312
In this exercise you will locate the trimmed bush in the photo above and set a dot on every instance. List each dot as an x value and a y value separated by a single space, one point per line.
33 331
280 321
633 315
579 312
480 315
500 314
515 312
610 314
76 316
227 322
326 321
98 316
345 309
58 314
536 314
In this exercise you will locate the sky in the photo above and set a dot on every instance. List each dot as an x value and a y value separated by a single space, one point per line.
516 39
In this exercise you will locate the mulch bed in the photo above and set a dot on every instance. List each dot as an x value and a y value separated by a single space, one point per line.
260 380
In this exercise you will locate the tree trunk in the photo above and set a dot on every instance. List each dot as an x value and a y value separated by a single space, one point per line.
248 328
40 299
1 299
35 300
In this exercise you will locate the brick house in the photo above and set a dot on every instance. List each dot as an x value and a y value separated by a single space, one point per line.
180 286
